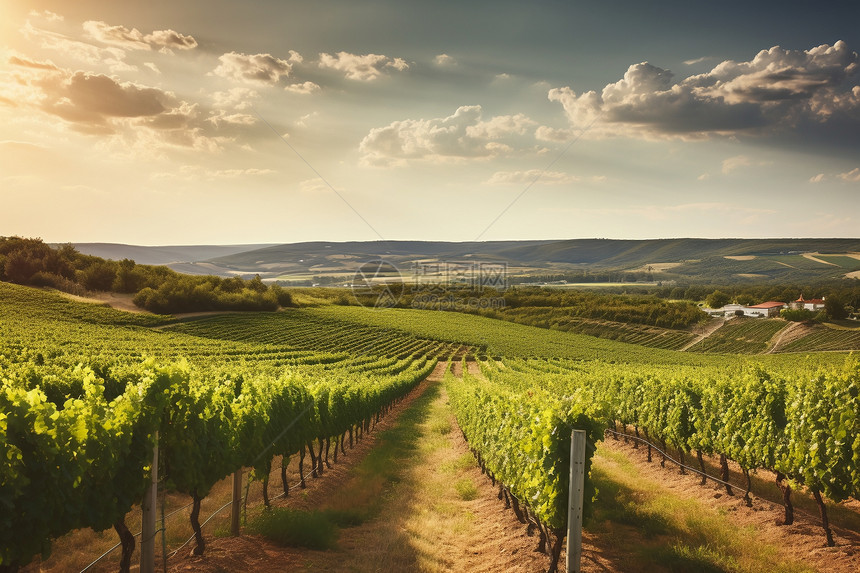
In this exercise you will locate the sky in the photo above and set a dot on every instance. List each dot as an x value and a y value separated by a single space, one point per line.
221 122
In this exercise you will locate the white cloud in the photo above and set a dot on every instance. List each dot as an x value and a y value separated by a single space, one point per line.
695 61
365 67
47 15
195 173
263 69
538 176
500 126
133 39
733 163
546 133
852 176
817 178
152 67
220 116
444 60
236 98
111 57
463 135
777 90
303 88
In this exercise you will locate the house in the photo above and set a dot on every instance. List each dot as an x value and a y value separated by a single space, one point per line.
813 304
765 309
770 308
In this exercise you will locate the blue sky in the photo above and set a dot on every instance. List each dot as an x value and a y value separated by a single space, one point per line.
223 122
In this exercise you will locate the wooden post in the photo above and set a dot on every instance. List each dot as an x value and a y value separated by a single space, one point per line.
575 495
237 503
148 508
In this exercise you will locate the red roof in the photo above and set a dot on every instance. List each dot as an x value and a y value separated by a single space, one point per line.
769 304
814 301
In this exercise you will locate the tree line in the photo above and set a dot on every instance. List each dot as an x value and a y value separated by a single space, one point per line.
30 261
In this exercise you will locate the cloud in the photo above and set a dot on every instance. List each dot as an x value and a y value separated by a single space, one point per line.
546 133
94 98
444 60
733 163
538 176
367 67
500 126
152 67
127 115
778 90
697 61
111 57
238 98
196 173
263 69
132 39
46 15
852 176
303 88
463 135
222 117
817 178
28 63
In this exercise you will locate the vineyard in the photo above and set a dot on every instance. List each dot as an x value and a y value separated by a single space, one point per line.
83 402
86 393
800 423
741 336
824 339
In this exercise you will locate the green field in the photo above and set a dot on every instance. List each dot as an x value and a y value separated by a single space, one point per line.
84 388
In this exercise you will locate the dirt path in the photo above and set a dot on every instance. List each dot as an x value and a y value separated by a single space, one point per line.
710 328
787 333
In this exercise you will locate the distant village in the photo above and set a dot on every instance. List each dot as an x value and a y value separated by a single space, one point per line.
767 309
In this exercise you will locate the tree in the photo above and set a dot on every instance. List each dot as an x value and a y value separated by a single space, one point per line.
717 299
835 308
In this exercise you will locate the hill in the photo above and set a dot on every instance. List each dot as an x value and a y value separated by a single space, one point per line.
715 261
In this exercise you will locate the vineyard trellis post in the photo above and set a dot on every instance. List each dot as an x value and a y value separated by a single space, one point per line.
575 497
148 507
237 501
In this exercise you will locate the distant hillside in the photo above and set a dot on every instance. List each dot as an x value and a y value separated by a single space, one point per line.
684 260
700 260
163 255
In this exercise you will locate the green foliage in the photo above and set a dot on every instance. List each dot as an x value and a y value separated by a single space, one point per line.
295 528
523 436
158 289
835 308
79 409
466 489
798 315
718 299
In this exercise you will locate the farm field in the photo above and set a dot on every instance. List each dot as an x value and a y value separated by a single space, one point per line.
254 392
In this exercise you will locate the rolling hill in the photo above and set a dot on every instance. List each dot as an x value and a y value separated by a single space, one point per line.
687 260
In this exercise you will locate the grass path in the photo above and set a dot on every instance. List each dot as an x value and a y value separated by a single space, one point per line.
417 502
650 518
